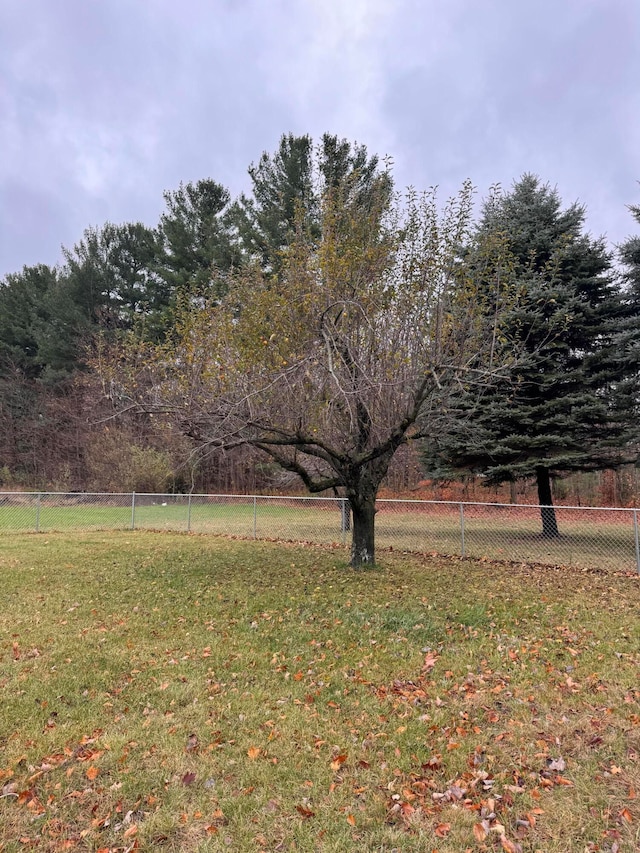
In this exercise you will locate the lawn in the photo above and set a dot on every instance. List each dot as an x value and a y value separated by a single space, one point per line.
187 693
588 539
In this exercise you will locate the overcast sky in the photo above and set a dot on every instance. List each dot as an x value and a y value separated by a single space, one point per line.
106 103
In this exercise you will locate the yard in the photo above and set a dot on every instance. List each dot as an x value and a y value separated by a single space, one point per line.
589 539
188 693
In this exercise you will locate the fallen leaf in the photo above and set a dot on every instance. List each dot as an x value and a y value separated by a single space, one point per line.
305 812
351 820
429 661
92 772
338 761
479 832
442 830
253 752
188 778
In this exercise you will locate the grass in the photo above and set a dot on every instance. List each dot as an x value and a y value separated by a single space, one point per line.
172 693
588 540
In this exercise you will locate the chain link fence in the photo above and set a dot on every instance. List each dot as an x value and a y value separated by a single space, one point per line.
588 537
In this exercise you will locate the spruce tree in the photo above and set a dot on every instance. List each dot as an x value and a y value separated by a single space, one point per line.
562 410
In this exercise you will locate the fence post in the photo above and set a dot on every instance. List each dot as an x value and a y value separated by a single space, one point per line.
637 538
38 512
133 510
344 519
189 514
255 517
462 529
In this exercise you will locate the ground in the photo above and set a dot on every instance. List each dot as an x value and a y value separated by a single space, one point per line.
183 693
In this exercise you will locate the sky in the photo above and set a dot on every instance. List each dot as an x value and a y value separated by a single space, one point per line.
104 105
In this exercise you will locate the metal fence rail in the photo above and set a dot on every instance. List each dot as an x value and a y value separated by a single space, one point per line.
589 537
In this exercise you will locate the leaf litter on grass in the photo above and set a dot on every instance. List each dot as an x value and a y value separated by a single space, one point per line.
231 695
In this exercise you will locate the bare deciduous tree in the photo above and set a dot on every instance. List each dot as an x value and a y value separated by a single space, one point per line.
356 347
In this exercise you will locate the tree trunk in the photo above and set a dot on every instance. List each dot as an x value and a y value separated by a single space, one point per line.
362 538
547 512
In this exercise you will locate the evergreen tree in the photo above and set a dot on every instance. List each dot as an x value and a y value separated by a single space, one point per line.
112 276
39 322
195 239
287 188
563 410
630 257
627 349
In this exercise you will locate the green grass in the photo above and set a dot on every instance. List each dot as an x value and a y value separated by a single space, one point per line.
587 540
194 694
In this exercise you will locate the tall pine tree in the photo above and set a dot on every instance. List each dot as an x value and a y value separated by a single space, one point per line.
287 187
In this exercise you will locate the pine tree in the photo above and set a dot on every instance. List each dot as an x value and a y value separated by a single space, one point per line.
287 188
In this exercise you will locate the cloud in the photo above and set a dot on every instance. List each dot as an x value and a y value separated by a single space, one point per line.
105 105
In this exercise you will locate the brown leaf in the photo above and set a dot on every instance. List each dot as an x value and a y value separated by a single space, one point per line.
351 820
429 661
253 752
188 778
479 832
92 772
442 830
338 761
193 743
625 814
510 846
305 812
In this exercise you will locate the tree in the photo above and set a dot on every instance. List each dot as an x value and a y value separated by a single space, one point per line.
563 412
351 351
627 342
287 191
630 257
195 238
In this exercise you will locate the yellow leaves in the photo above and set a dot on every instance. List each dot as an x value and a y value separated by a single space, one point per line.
254 752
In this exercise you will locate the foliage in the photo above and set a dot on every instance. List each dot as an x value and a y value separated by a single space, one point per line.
329 367
196 242
565 411
287 188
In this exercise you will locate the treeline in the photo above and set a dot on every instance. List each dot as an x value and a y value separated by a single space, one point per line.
571 406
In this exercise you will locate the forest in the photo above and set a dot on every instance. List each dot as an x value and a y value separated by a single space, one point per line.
407 339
